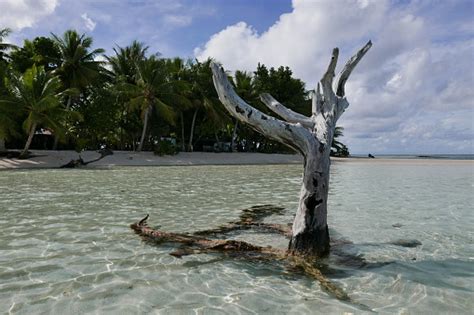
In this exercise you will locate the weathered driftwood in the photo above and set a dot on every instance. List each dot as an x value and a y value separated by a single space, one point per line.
311 136
193 244
80 162
252 219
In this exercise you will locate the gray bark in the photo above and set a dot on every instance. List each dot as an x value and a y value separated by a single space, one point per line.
311 136
145 126
24 153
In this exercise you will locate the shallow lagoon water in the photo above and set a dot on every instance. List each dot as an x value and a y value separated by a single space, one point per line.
65 244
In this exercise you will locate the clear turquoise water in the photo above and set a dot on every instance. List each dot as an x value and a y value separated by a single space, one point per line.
66 248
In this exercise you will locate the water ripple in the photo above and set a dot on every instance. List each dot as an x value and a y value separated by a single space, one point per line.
66 246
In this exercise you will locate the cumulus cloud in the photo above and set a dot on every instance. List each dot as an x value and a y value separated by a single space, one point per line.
88 22
18 14
411 93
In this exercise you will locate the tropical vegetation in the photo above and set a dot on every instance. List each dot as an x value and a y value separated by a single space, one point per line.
61 92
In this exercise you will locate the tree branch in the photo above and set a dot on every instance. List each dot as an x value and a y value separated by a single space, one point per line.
327 78
317 100
350 65
284 112
292 135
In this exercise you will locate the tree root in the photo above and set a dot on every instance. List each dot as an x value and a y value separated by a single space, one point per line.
196 244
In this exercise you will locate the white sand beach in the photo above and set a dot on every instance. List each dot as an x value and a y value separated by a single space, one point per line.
54 159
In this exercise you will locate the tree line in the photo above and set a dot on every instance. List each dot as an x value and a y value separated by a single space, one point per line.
60 92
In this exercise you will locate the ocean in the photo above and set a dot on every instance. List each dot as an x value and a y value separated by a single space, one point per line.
66 246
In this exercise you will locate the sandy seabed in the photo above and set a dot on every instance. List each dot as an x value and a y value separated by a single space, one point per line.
54 159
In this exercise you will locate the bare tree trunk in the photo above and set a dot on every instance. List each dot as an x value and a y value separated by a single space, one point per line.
233 146
24 153
145 126
311 136
182 131
191 132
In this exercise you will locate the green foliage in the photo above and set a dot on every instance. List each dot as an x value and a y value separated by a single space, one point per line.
36 95
5 47
101 120
165 147
133 99
283 87
123 64
42 51
339 149
77 65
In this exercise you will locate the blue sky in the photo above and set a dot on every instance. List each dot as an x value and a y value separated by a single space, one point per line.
412 93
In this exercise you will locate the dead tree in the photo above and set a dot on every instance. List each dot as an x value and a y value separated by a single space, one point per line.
311 136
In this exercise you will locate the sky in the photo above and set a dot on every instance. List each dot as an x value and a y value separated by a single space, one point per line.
411 94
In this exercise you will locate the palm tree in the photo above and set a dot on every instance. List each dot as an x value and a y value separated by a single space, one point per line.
179 73
244 86
123 67
153 90
124 62
78 66
36 93
338 148
204 96
5 47
122 71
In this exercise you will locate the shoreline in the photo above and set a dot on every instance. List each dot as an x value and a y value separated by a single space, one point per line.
54 159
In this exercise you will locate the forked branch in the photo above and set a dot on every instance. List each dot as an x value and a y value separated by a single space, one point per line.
347 70
293 135
326 81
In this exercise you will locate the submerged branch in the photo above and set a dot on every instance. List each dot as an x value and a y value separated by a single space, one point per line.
251 218
194 244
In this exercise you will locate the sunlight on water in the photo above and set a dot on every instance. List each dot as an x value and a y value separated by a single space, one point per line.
66 247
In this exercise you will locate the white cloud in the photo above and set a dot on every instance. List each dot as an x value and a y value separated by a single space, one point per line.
88 22
402 91
18 14
175 20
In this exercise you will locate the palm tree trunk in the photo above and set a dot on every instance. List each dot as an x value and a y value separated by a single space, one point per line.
2 145
56 138
234 137
191 132
145 126
182 131
24 153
